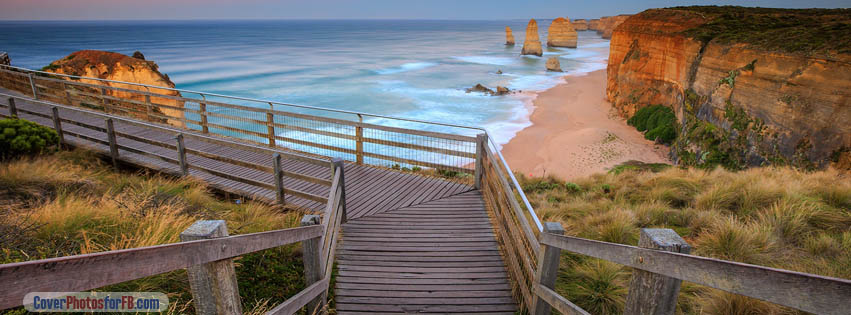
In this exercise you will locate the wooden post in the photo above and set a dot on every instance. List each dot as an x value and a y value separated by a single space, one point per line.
651 293
67 94
103 99
203 108
13 110
149 108
338 167
313 272
359 140
113 145
548 259
32 86
481 142
181 156
57 124
270 128
213 285
279 178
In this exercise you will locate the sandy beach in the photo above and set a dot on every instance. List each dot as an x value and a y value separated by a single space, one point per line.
575 133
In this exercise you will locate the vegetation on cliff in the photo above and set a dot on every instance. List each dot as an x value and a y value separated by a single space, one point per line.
658 123
777 217
21 137
73 203
806 31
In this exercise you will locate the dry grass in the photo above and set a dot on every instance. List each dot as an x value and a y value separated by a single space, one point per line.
72 203
776 217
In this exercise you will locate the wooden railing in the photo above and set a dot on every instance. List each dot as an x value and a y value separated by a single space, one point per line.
206 251
178 150
321 131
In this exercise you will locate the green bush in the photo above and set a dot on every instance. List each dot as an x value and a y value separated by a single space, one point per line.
657 121
20 137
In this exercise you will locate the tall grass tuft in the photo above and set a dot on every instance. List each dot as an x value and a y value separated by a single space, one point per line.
777 217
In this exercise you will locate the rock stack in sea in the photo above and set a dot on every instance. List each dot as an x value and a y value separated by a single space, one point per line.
509 38
553 64
561 34
580 25
532 44
594 24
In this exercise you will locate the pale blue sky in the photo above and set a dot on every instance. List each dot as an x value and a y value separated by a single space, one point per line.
354 9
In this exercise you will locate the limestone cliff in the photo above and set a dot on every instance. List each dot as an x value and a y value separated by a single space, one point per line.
751 90
118 67
580 24
561 34
532 44
509 38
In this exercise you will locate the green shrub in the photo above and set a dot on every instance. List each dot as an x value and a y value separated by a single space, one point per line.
571 187
657 121
20 137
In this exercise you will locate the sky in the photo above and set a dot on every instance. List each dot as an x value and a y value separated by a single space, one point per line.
354 9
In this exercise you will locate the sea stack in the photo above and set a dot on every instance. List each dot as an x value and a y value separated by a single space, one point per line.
509 38
561 34
553 64
4 59
580 24
532 44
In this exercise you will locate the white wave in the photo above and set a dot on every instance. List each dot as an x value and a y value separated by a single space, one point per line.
536 82
487 60
406 67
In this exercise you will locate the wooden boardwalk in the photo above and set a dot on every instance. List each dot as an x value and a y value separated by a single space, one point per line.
412 243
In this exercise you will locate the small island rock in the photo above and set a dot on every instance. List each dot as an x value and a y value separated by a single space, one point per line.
553 64
509 37
501 90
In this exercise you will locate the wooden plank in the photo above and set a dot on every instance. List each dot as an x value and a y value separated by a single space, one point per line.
806 292
422 287
423 300
559 302
427 308
293 304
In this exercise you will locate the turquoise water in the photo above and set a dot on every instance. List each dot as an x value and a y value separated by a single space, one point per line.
413 69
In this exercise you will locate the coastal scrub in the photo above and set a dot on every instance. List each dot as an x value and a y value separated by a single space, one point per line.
773 216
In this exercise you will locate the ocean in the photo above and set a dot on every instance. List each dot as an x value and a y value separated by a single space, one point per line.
407 68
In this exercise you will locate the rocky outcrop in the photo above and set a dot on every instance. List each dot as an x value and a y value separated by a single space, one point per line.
138 55
4 59
118 67
580 24
500 90
509 38
740 100
561 34
532 44
553 64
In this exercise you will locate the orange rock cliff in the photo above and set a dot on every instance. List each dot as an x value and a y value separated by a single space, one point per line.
119 67
762 94
580 24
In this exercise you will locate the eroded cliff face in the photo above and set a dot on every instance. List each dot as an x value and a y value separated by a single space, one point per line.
608 24
119 67
738 103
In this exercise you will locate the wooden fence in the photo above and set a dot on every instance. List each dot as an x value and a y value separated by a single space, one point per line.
206 251
178 151
327 132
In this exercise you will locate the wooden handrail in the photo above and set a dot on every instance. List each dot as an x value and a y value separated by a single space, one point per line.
89 271
803 291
